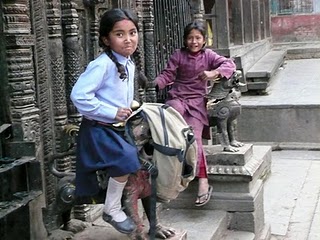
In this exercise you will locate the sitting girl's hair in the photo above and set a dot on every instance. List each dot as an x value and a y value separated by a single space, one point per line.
197 25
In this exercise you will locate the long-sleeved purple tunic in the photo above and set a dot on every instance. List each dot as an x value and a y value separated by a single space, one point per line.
183 70
188 90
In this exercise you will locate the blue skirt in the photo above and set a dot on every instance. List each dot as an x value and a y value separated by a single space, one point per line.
101 148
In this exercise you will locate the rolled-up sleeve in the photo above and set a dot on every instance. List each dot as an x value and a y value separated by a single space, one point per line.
225 66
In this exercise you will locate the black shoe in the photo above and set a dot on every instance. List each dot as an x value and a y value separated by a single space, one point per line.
127 226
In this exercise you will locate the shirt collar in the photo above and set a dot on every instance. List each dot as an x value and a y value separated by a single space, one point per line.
121 59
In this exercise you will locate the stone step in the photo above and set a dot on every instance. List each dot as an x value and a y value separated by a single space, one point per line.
239 192
267 65
189 224
260 73
198 223
300 50
289 112
280 123
238 235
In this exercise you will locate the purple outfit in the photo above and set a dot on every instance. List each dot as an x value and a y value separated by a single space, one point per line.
188 89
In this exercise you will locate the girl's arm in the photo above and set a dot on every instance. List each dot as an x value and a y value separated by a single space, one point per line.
83 94
224 66
168 74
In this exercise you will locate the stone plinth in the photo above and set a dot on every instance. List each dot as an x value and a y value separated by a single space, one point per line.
237 180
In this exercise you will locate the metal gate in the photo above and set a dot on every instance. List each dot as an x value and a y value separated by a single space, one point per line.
171 16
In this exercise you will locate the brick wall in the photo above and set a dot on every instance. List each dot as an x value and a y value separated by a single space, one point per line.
295 28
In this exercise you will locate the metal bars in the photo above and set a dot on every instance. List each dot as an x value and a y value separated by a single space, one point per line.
171 16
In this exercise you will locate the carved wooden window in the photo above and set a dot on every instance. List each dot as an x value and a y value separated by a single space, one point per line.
281 7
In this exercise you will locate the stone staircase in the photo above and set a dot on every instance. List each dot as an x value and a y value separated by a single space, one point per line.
258 62
300 50
194 224
236 205
235 210
289 112
202 224
263 70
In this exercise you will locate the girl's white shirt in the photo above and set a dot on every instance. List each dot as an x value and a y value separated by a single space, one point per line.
99 91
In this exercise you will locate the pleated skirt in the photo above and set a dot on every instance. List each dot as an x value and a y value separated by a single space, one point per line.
101 148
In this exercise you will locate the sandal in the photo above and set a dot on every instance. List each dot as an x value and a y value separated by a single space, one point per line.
207 198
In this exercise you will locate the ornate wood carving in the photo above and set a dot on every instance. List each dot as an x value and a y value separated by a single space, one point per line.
46 46
55 59
19 57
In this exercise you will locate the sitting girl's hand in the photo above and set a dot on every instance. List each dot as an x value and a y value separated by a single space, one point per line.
209 75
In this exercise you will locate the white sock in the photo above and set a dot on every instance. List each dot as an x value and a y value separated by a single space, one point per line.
112 204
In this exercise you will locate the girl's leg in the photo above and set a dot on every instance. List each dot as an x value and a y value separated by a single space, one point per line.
203 187
113 213
112 204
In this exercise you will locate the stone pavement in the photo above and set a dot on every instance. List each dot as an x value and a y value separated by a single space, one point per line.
296 83
292 194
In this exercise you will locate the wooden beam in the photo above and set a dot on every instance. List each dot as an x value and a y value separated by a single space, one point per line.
267 18
237 22
248 21
262 20
222 32
256 20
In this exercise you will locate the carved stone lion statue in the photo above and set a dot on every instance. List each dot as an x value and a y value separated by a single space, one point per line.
223 109
138 187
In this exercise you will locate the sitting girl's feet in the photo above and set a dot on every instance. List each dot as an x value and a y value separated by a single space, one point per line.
203 198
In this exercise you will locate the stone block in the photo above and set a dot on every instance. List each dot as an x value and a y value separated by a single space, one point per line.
250 221
215 155
232 178
238 202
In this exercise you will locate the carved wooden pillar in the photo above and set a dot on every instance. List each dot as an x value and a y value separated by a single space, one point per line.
72 52
267 17
221 25
256 20
19 42
262 20
139 93
58 111
22 183
197 9
248 21
150 69
42 75
237 22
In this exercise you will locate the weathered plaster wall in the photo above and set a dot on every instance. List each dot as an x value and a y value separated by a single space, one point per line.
295 28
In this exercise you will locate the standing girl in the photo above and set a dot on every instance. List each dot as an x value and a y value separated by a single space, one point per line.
103 94
188 71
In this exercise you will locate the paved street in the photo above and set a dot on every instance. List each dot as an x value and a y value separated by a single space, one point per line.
292 195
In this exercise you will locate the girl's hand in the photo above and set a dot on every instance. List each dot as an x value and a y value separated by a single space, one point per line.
123 114
209 75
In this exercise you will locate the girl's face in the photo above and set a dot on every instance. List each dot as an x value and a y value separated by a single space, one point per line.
123 39
195 41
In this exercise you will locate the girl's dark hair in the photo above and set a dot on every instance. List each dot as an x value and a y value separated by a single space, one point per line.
197 25
107 22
